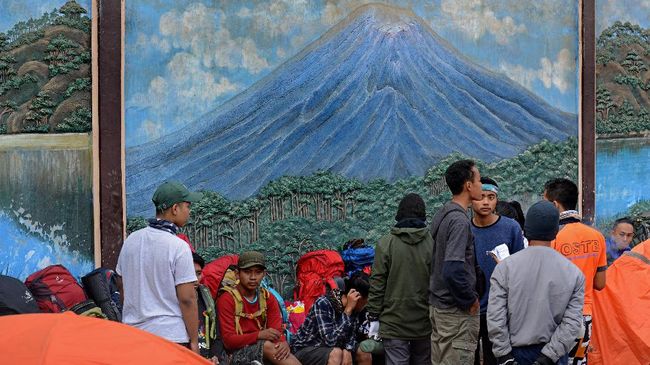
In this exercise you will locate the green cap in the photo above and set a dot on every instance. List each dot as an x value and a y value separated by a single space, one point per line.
250 259
173 192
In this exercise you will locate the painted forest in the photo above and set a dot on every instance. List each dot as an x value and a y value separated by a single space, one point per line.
623 87
45 76
296 214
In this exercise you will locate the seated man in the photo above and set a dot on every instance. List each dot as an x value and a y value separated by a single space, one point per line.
250 319
620 238
328 335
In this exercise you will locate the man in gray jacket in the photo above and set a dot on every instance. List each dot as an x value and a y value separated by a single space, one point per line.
536 296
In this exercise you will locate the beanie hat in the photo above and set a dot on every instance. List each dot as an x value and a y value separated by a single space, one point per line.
411 206
542 222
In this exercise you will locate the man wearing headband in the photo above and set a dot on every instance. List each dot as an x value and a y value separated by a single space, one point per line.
490 230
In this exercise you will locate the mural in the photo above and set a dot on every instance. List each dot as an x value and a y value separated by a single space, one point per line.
306 122
623 110
46 202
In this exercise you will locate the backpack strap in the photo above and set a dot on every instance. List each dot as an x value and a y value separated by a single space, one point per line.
209 315
259 316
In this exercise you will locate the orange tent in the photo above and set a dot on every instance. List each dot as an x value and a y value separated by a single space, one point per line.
69 339
621 330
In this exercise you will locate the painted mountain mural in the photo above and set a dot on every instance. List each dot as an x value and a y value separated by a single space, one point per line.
380 95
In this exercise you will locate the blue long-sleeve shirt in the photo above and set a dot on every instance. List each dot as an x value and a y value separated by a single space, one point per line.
504 230
324 327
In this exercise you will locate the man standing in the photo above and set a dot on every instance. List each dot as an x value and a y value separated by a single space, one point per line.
536 297
452 288
399 285
157 271
620 238
585 247
491 230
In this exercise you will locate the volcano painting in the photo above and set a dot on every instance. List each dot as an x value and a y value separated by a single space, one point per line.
379 95
305 122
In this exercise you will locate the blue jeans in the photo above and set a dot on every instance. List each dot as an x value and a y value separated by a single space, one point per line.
526 355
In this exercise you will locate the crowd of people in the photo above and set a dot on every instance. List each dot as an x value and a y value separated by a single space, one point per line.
490 287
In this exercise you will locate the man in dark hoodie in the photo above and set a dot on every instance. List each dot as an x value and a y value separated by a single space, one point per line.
453 297
398 285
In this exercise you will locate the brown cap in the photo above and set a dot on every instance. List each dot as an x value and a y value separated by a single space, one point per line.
250 259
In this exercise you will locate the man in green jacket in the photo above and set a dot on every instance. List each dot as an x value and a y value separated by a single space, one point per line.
399 286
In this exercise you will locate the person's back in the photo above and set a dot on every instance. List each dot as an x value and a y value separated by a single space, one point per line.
405 258
585 247
540 283
399 285
536 296
146 265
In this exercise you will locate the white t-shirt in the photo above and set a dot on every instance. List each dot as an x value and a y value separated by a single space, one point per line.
152 263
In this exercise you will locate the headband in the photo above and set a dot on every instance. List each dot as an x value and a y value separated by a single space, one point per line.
490 187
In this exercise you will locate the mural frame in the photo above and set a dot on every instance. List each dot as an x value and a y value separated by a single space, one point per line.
110 132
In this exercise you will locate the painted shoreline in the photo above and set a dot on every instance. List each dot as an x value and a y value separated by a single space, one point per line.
644 134
36 141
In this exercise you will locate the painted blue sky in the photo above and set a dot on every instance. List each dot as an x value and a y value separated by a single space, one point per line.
14 11
633 11
184 59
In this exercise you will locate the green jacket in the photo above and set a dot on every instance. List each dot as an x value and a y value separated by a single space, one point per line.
399 284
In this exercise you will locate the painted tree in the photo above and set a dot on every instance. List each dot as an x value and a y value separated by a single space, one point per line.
79 122
64 55
604 102
7 107
40 110
71 9
634 64
6 67
4 41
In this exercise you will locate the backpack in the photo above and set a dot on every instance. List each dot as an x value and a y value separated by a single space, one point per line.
55 289
213 341
101 286
88 308
214 271
286 324
15 298
313 271
259 316
357 256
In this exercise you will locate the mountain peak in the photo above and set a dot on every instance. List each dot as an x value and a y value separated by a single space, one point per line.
386 18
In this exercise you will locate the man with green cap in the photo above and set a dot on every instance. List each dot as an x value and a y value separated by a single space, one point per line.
157 271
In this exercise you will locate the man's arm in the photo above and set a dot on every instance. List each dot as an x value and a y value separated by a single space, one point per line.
453 267
330 331
564 337
189 309
497 313
378 278
120 287
600 279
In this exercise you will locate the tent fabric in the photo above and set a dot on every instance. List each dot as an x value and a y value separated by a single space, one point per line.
67 339
621 327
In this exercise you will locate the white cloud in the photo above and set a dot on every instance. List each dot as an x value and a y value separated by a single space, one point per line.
558 74
150 129
616 10
474 18
197 30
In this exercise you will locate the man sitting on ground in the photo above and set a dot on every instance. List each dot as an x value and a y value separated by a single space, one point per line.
534 311
250 319
328 335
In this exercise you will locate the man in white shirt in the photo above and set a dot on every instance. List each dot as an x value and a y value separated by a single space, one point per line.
157 271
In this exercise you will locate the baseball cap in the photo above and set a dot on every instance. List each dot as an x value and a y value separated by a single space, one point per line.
173 192
250 259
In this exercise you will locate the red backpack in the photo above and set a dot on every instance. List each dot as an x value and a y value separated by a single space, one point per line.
313 271
55 289
214 271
